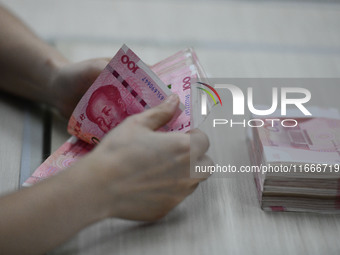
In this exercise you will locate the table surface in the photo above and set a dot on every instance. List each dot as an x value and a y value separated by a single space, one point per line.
232 39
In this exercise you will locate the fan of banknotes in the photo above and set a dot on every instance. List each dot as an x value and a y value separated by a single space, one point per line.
126 86
298 168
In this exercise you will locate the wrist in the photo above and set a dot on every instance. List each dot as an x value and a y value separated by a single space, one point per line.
91 184
106 170
54 66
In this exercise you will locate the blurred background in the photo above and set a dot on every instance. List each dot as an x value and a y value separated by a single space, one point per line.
244 38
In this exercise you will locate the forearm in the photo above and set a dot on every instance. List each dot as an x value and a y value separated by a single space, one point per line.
37 219
27 63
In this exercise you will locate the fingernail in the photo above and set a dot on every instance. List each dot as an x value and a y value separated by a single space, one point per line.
172 99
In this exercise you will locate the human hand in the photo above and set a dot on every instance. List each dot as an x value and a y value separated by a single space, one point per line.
70 82
135 173
144 173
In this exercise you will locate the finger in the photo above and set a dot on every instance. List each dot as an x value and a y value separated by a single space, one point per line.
158 116
199 143
192 182
199 170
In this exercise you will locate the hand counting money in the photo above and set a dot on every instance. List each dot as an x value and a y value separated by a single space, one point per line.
125 87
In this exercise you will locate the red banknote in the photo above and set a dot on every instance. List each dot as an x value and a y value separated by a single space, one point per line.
126 86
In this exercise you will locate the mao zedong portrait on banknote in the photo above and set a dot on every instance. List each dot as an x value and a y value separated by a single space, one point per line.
106 108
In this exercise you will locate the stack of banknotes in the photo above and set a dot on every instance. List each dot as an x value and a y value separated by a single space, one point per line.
125 87
298 168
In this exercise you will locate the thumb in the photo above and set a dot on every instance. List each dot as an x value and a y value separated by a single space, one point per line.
158 116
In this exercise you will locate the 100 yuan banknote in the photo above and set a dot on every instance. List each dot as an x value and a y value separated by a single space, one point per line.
126 86
64 157
179 72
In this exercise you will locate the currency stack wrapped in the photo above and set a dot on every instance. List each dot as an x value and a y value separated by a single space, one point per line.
297 168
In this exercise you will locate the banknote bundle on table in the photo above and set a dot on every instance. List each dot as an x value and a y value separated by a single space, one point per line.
298 167
125 87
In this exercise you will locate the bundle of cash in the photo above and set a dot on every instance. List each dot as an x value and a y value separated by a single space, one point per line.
297 166
125 87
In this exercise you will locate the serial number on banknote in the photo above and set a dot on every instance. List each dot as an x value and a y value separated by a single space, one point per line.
316 168
153 88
